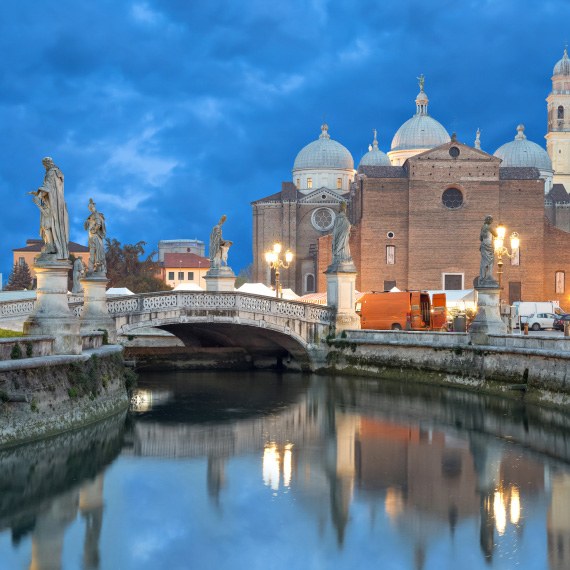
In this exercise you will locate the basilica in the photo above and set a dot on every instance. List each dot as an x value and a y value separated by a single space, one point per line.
416 211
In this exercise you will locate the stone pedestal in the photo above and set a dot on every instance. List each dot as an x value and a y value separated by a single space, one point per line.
52 315
95 316
220 279
341 281
488 319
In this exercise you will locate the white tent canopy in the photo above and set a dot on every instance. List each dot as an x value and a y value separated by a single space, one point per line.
261 289
188 287
119 291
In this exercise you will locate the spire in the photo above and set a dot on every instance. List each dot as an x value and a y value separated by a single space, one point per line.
520 133
375 141
478 139
324 132
422 99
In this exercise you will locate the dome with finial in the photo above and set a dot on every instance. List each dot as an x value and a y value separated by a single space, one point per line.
374 156
562 67
421 131
324 153
522 152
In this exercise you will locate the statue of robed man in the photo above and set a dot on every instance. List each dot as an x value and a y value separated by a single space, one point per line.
218 246
341 235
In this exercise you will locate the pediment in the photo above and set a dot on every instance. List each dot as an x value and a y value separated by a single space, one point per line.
466 152
322 196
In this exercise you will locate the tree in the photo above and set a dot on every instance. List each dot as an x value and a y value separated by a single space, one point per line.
244 276
126 269
20 278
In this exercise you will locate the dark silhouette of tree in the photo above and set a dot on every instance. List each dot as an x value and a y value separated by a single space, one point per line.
244 276
20 278
125 268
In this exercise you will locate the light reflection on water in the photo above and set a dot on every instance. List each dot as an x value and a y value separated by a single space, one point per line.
258 470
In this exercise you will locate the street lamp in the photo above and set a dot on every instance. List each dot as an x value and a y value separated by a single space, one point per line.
501 250
273 258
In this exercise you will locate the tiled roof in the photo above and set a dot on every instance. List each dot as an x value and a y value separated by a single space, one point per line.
558 194
36 245
518 173
382 171
289 193
175 260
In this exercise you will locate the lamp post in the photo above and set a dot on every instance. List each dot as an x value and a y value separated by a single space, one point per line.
501 250
273 258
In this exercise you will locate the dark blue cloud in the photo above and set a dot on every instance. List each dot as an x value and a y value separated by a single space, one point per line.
169 113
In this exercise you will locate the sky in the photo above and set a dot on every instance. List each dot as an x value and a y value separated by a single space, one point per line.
170 113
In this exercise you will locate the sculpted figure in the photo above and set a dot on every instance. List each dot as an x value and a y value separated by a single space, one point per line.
54 224
487 252
78 272
95 225
341 233
218 246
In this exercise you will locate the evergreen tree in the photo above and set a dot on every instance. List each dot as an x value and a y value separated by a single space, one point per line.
20 278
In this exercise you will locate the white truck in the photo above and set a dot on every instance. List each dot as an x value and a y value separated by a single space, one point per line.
522 309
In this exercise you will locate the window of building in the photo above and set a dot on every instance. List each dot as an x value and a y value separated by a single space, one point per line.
561 112
298 183
389 285
309 283
171 275
516 257
21 261
452 281
309 182
190 276
390 254
514 292
452 198
181 276
559 282
339 183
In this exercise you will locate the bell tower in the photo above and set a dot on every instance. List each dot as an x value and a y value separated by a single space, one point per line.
558 109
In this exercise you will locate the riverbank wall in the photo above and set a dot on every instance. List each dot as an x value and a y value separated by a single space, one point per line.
534 368
50 394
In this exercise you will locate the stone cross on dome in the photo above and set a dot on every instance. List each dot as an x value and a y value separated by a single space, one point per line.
324 132
520 133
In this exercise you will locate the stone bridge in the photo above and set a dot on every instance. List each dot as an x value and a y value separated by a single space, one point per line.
263 326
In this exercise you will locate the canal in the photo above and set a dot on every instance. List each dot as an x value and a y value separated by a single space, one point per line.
259 470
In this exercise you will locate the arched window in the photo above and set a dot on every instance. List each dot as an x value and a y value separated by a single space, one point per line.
561 112
309 283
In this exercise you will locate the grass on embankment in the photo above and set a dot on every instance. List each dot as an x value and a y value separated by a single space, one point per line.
4 333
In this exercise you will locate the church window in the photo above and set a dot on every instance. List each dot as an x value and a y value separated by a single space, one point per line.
561 112
390 254
21 261
559 282
322 219
339 183
309 283
454 152
452 198
309 182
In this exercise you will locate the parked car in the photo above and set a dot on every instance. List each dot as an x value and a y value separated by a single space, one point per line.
539 321
559 322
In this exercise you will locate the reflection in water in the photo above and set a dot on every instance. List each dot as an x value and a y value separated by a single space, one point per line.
419 477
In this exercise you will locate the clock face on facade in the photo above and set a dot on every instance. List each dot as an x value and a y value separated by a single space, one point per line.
454 152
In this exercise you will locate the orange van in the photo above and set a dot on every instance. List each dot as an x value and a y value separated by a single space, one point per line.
404 310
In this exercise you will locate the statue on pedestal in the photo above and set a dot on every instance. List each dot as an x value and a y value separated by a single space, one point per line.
218 246
487 249
54 224
95 225
78 272
341 234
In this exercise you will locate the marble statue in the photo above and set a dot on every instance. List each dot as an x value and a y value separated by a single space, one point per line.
487 253
341 234
78 273
95 225
54 224
218 246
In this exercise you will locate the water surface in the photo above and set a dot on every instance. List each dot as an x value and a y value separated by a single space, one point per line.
261 470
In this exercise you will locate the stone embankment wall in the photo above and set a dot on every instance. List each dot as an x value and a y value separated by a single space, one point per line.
538 367
45 395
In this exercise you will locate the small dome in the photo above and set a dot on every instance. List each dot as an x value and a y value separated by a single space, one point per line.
563 66
522 152
421 131
374 156
324 153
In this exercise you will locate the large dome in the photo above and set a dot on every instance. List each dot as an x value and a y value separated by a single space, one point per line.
563 66
522 152
374 156
324 153
421 131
